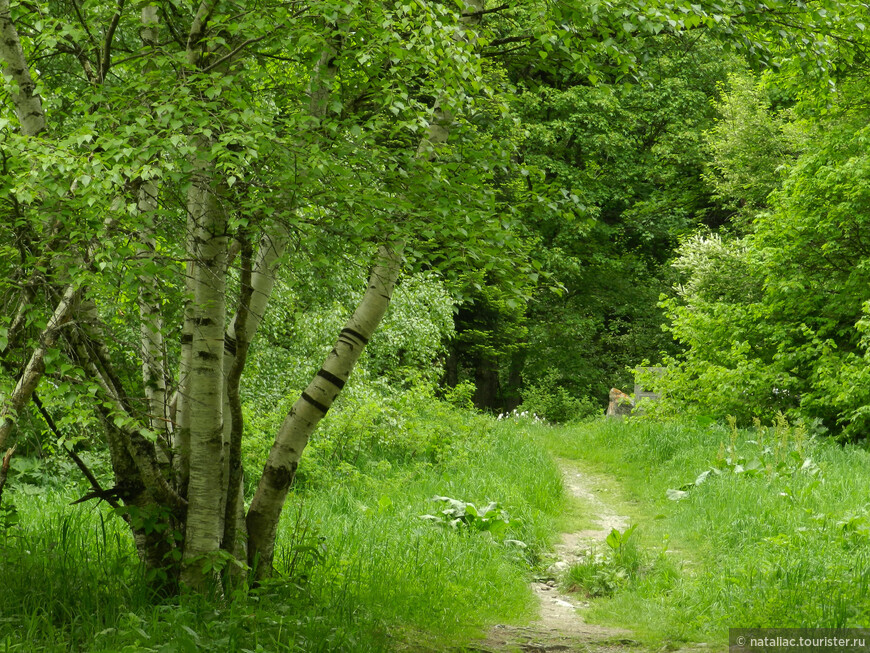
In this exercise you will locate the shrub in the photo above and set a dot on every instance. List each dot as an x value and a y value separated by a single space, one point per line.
554 403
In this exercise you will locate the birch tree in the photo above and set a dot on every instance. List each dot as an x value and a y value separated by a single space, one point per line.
161 165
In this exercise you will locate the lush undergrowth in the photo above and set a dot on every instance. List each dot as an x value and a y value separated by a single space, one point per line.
360 570
767 527
731 528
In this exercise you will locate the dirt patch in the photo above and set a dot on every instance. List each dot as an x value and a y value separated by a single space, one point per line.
560 625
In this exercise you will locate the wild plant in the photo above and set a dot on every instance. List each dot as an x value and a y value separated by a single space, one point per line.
604 572
785 456
460 515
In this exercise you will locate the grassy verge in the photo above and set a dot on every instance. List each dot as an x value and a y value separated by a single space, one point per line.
359 569
767 527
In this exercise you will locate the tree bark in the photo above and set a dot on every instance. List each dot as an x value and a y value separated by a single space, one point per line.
237 345
4 470
309 409
151 319
35 367
280 469
206 486
31 116
28 103
116 407
151 337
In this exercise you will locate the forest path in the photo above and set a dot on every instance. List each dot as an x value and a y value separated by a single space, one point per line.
559 625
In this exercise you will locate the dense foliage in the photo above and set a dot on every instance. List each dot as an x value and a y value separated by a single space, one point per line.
775 319
207 208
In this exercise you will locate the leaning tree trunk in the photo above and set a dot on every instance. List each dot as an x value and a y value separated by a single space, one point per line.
35 367
309 409
31 116
280 469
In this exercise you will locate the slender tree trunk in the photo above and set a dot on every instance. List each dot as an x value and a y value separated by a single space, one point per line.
181 420
258 281
35 367
237 344
4 469
309 409
31 116
28 103
252 307
486 383
151 325
206 487
151 337
280 469
196 199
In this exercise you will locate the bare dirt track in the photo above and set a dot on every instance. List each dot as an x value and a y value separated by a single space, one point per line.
560 625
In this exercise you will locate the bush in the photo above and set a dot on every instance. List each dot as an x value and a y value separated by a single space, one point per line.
775 320
552 402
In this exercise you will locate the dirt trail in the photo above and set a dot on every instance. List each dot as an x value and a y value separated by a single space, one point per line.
559 626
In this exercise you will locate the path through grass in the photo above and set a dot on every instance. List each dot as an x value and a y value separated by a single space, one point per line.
766 527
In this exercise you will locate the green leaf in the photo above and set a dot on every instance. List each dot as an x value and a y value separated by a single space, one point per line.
676 495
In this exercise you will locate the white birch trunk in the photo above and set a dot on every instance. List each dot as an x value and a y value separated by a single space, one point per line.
181 420
151 319
280 469
151 336
309 409
28 103
205 488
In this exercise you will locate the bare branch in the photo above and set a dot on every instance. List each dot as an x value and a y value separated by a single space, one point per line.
233 53
107 44
98 490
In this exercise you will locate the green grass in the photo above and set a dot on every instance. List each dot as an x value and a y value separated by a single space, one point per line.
359 569
775 542
776 547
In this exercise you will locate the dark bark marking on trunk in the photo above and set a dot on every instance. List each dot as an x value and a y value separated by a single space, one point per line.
207 355
354 334
186 338
230 345
280 478
323 409
332 378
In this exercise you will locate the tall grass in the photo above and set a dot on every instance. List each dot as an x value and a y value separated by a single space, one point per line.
359 570
407 570
783 540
